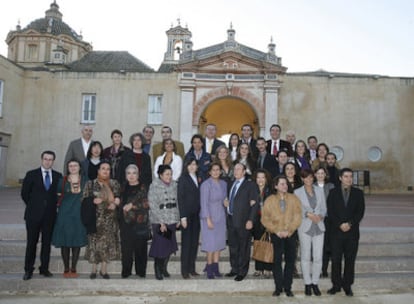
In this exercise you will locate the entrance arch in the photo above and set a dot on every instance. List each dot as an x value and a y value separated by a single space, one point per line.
229 114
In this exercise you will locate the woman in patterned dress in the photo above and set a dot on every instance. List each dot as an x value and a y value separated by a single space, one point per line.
99 215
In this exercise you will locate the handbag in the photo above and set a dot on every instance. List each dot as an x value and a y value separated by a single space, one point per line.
263 249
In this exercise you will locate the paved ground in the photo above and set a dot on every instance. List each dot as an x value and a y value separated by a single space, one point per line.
406 298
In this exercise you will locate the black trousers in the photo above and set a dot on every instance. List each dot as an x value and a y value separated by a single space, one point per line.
33 231
189 244
239 241
326 246
286 248
346 248
134 249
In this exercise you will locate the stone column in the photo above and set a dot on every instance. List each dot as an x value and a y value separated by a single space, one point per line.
186 116
271 110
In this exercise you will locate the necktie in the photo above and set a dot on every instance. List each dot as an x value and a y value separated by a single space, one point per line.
275 148
47 180
346 196
232 195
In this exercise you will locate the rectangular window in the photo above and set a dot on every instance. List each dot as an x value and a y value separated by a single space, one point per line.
1 97
155 109
88 108
32 52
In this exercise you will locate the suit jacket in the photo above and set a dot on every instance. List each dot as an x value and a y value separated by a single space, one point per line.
270 164
283 145
157 150
75 150
40 204
242 210
216 143
188 196
352 213
320 208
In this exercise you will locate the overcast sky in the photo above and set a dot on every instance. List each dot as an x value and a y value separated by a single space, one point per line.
355 36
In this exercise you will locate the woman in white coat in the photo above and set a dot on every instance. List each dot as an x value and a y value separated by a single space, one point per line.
311 231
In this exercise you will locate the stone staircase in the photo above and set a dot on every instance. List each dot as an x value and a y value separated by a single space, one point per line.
385 263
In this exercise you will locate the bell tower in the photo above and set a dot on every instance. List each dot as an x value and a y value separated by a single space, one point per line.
179 41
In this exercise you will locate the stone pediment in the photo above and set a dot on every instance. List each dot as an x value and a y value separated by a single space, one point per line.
231 62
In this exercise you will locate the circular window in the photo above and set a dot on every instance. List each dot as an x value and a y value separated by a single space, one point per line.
374 154
338 151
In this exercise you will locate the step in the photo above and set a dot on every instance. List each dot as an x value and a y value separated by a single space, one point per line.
368 235
17 248
13 264
13 284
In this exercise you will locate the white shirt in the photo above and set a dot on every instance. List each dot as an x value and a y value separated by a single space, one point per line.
176 165
209 144
85 145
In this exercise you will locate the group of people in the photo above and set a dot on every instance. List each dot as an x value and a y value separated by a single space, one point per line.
114 200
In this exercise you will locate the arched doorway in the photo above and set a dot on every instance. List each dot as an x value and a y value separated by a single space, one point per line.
228 114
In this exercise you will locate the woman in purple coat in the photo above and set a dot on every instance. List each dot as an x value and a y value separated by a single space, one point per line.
213 192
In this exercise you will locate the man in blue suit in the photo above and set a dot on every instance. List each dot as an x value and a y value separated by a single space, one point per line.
39 193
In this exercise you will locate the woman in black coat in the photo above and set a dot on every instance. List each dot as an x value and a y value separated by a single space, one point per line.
134 224
188 195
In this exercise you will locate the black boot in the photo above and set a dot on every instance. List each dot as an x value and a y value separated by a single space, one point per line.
308 290
164 268
158 266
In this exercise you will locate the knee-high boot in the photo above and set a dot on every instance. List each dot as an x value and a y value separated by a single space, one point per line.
158 268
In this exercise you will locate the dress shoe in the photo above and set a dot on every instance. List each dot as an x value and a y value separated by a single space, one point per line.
239 278
276 293
230 274
289 293
104 275
46 273
316 290
195 274
125 275
27 276
92 276
348 292
334 290
186 276
308 290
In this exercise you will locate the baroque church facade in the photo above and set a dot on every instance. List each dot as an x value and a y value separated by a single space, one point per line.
53 82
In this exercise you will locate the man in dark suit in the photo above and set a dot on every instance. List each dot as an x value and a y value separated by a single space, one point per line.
210 142
275 144
241 212
247 137
39 194
264 159
346 207
78 148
